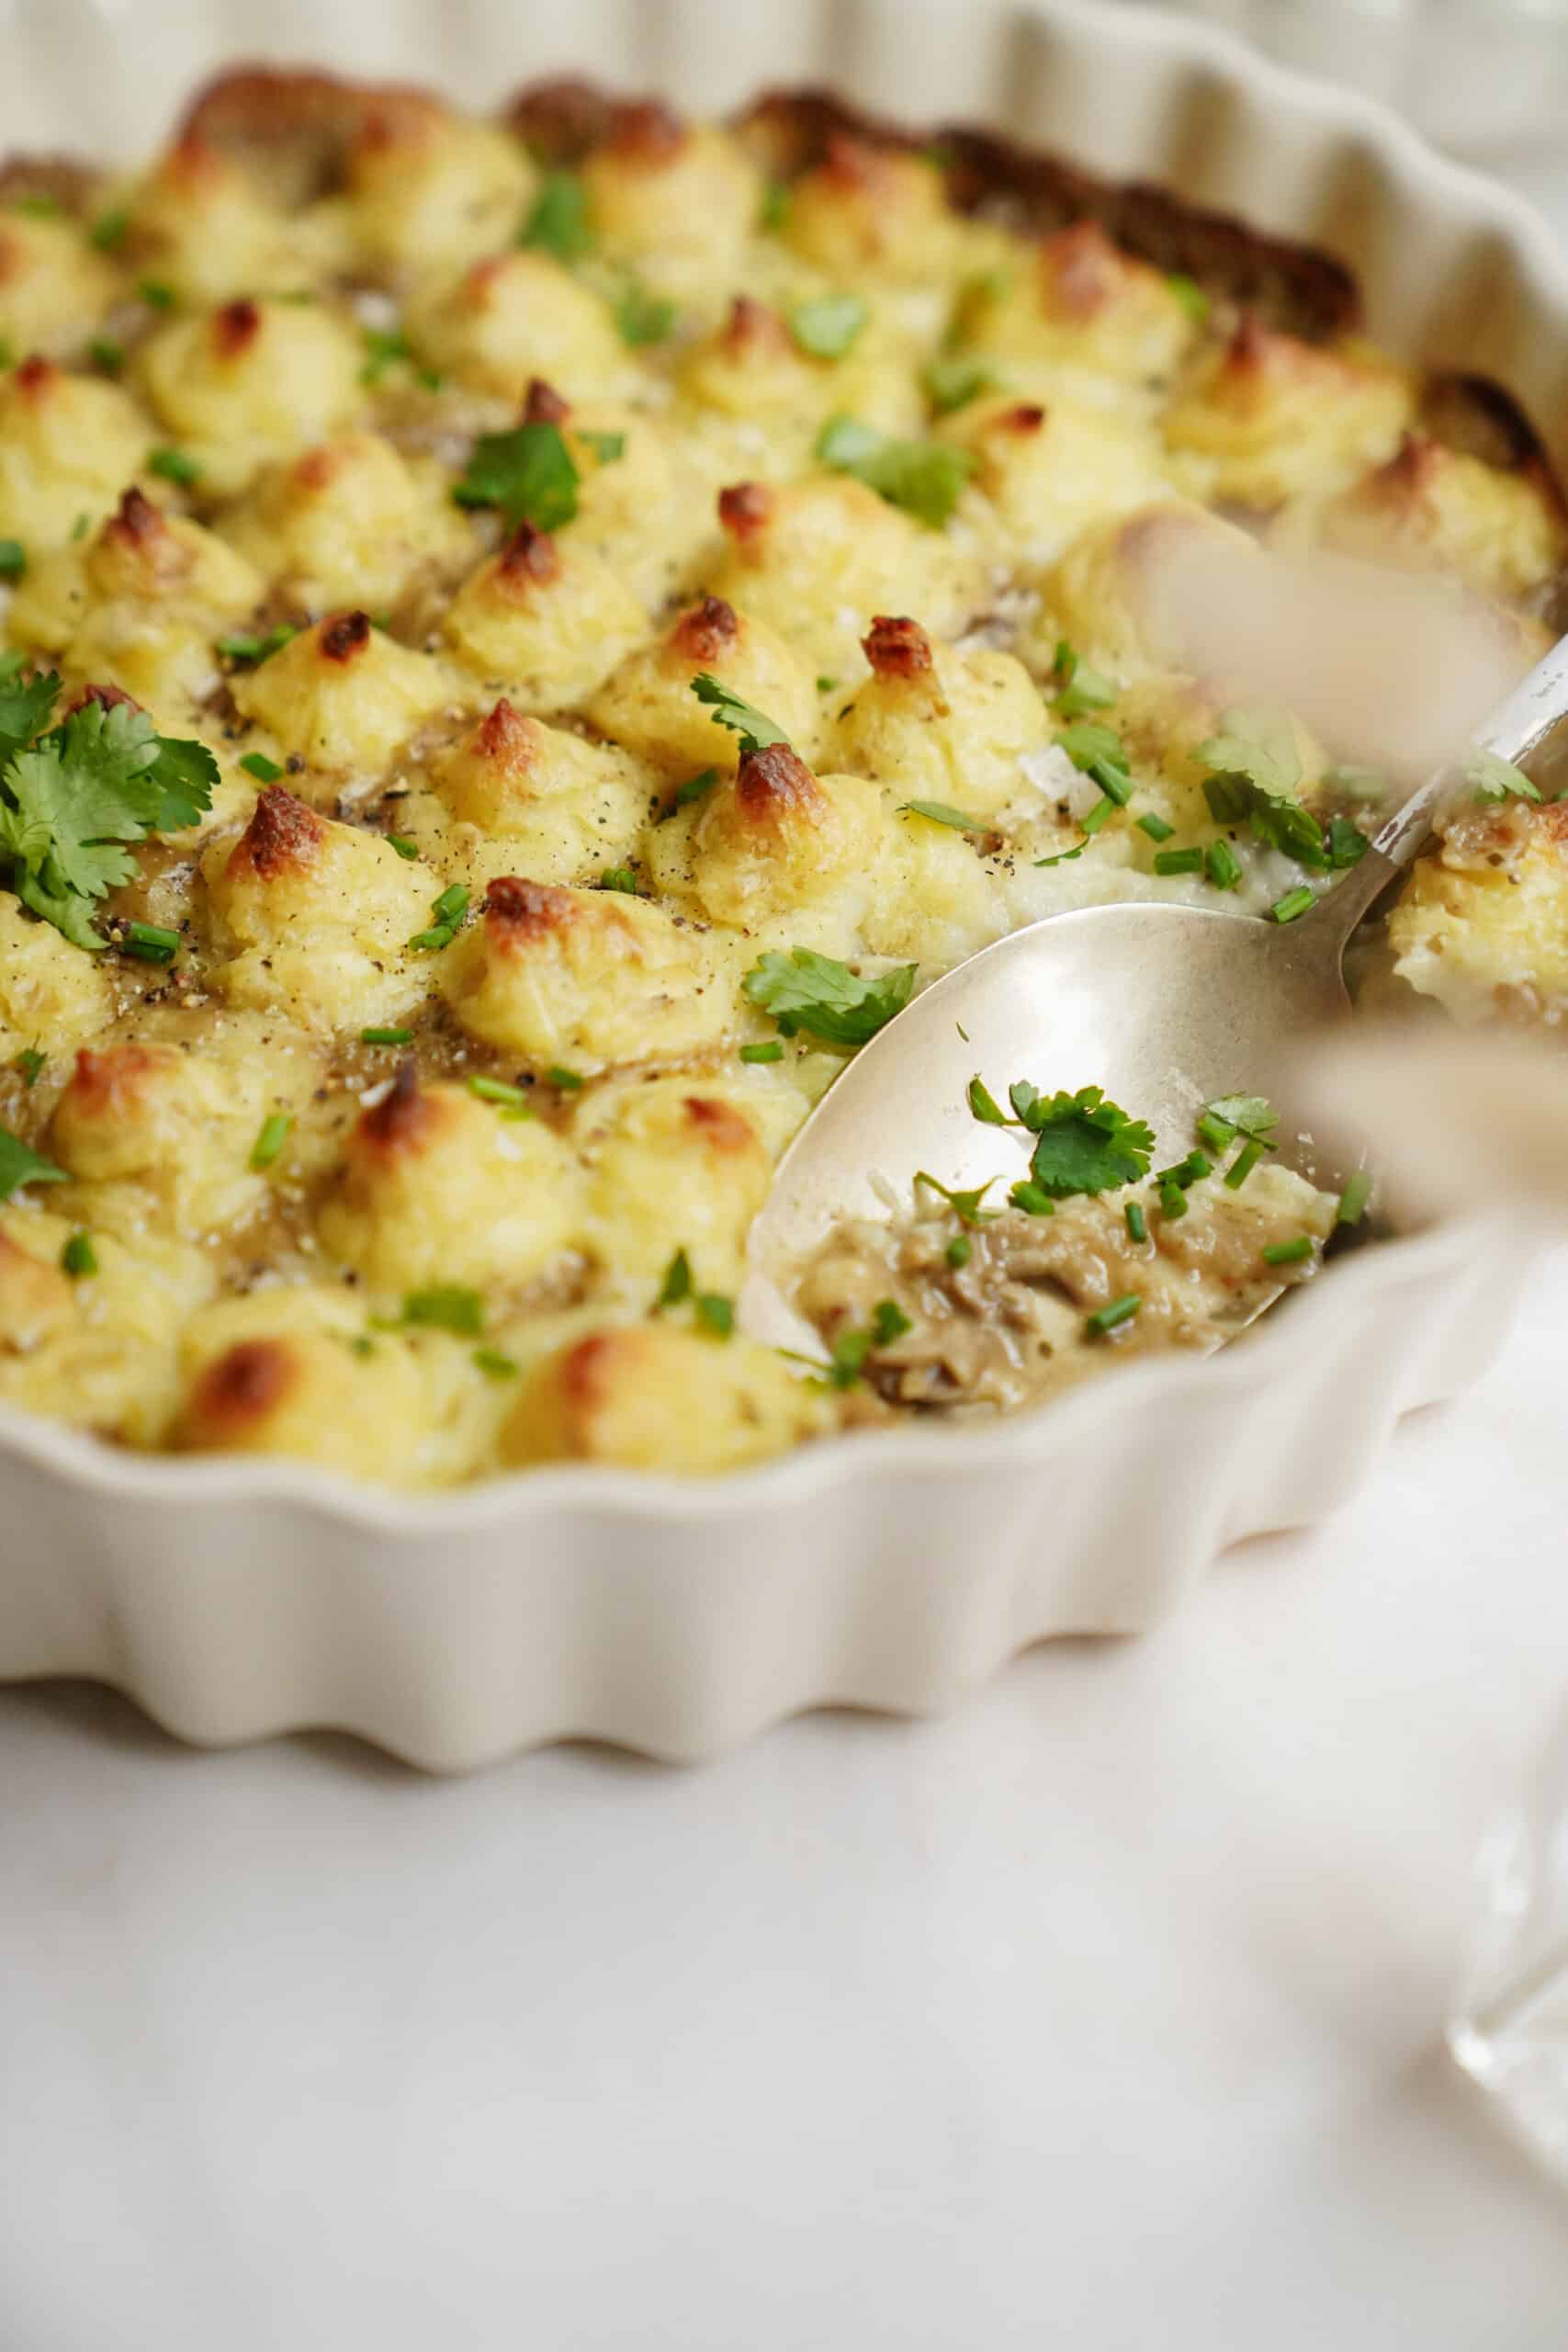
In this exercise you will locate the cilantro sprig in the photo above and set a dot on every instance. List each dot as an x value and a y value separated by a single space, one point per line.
75 800
755 728
529 475
924 478
1082 1142
805 990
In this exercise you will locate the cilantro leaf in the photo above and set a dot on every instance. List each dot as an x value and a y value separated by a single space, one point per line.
528 474
1497 779
73 805
1082 1142
922 477
805 990
20 1166
1258 742
558 222
966 1206
755 728
185 772
24 704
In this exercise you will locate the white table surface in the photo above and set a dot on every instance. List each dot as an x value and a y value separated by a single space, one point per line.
1106 2013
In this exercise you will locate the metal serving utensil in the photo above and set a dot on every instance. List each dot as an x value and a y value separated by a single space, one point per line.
1165 1007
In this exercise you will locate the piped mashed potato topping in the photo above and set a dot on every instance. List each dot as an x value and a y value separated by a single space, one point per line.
528 642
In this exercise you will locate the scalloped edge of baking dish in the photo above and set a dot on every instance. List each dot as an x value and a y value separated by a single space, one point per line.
235 1600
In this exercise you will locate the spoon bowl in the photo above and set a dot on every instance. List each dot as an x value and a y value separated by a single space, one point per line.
1167 1006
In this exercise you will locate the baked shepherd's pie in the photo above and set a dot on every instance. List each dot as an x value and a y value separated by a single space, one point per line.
529 640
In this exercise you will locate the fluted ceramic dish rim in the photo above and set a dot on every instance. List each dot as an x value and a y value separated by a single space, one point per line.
536 1512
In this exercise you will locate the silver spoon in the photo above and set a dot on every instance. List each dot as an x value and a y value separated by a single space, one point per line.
1165 1007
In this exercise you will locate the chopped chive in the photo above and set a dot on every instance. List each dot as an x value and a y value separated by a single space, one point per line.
1354 1198
494 1366
695 787
1098 816
244 647
269 1143
80 527
79 1257
959 1250
714 1313
106 355
1218 1133
770 1052
386 1037
1221 865
151 942
826 685
445 917
775 206
1137 1227
677 1283
1244 1163
446 1306
173 465
405 845
29 1066
156 294
1172 1201
265 771
1113 781
1156 827
1033 1199
618 878
848 1353
496 1090
1190 1171
1179 861
569 1080
1110 1318
13 558
1288 1253
109 230
888 1322
1293 903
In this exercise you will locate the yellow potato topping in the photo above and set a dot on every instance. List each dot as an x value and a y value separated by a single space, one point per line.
526 637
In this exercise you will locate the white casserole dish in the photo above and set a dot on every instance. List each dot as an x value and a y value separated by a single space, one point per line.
235 1600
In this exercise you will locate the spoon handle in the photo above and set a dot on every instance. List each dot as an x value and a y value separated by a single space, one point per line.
1516 729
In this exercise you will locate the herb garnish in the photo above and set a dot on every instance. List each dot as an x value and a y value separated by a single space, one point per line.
528 475
1497 779
755 729
19 1166
558 222
265 771
1080 687
445 920
924 478
966 1206
257 648
1288 1253
641 317
940 812
770 1052
1112 1317
79 1258
386 1037
173 465
446 1306
29 1066
13 558
714 1313
805 990
270 1141
1082 1142
827 327
74 804
954 378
